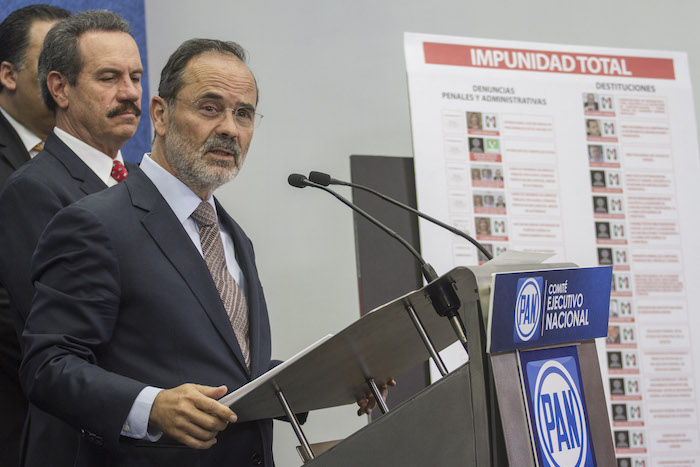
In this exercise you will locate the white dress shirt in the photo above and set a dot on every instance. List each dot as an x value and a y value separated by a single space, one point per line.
29 139
99 162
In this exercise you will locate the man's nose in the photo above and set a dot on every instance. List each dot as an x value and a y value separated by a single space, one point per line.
228 126
129 90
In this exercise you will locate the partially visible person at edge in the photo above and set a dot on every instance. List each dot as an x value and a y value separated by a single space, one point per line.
90 77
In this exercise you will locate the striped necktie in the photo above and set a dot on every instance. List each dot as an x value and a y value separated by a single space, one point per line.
231 294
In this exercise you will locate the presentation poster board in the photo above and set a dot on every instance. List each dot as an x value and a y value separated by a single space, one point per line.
589 154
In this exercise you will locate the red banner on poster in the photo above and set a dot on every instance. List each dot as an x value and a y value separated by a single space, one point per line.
548 61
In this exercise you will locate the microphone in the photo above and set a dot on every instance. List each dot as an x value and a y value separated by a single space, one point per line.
440 290
325 180
300 181
297 180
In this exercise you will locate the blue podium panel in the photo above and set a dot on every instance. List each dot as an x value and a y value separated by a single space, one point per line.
548 307
557 407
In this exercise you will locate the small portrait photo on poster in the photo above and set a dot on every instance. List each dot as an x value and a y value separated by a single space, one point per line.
600 204
626 462
590 102
613 335
474 121
476 144
619 412
617 386
595 153
602 230
622 439
598 178
605 257
593 127
483 225
482 258
615 360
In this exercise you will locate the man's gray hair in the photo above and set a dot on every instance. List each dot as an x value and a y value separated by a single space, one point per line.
172 78
61 51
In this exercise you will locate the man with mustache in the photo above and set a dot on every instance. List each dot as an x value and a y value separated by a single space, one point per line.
90 78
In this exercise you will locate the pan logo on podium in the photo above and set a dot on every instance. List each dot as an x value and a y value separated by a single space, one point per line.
527 308
549 307
560 417
557 407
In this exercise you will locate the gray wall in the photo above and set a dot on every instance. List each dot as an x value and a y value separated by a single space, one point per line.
332 81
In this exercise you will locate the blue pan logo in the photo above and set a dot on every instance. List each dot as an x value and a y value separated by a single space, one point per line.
560 417
527 308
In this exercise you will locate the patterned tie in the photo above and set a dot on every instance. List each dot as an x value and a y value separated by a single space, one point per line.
38 147
229 291
119 172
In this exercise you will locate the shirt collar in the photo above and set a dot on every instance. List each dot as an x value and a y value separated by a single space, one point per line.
99 162
29 139
179 197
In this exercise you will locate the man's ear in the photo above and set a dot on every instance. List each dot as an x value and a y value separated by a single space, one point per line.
8 76
160 116
58 87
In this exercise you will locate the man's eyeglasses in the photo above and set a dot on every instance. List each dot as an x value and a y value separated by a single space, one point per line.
245 117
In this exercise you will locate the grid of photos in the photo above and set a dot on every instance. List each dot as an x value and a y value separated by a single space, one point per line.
487 182
612 249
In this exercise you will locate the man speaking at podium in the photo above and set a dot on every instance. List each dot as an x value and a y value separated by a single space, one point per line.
151 285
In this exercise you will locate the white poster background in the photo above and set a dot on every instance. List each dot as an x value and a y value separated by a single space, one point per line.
635 201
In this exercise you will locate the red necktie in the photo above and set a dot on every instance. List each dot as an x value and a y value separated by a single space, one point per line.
119 172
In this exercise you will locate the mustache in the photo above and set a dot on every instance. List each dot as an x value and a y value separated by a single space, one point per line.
123 107
218 141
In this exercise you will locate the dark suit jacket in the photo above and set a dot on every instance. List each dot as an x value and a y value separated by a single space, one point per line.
125 300
13 405
30 198
13 154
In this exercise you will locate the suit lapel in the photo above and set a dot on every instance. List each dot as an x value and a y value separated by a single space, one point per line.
246 260
11 147
171 237
89 181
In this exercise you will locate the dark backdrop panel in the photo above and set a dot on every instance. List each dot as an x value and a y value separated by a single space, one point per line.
133 12
386 270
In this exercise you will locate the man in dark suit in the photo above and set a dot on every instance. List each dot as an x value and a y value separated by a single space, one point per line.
97 108
24 123
149 286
